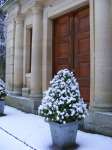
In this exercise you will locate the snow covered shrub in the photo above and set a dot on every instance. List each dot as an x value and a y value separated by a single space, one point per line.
3 91
62 102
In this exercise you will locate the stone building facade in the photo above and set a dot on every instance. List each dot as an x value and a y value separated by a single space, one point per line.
46 35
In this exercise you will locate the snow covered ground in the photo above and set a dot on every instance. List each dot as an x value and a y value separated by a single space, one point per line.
21 131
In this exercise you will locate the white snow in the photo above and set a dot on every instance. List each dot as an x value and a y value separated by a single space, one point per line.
35 131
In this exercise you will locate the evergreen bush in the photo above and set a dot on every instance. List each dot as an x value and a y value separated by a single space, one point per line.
62 102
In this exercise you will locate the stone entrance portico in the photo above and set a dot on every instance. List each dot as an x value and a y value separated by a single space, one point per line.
29 54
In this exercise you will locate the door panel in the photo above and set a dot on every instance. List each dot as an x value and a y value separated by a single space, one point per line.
82 51
71 47
62 43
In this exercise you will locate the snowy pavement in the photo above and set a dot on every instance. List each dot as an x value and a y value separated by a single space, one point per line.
22 131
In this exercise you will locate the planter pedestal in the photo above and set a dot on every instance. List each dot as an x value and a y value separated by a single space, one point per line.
2 103
63 134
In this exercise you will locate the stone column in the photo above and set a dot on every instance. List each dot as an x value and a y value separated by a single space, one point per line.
10 44
103 55
36 63
18 56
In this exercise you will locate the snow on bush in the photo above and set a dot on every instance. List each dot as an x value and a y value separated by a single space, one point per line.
62 102
3 91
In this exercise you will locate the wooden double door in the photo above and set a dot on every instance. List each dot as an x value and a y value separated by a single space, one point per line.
71 47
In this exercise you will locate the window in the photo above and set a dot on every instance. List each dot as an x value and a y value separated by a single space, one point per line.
28 49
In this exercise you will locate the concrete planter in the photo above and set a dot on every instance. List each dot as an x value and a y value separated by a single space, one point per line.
63 134
2 104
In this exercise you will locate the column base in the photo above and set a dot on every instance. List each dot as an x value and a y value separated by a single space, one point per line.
16 93
25 92
102 109
98 122
36 96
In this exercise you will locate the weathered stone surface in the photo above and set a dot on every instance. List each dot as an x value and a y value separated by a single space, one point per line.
23 103
99 122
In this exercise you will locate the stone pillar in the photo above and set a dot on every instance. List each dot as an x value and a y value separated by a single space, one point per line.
10 44
36 63
18 56
103 55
